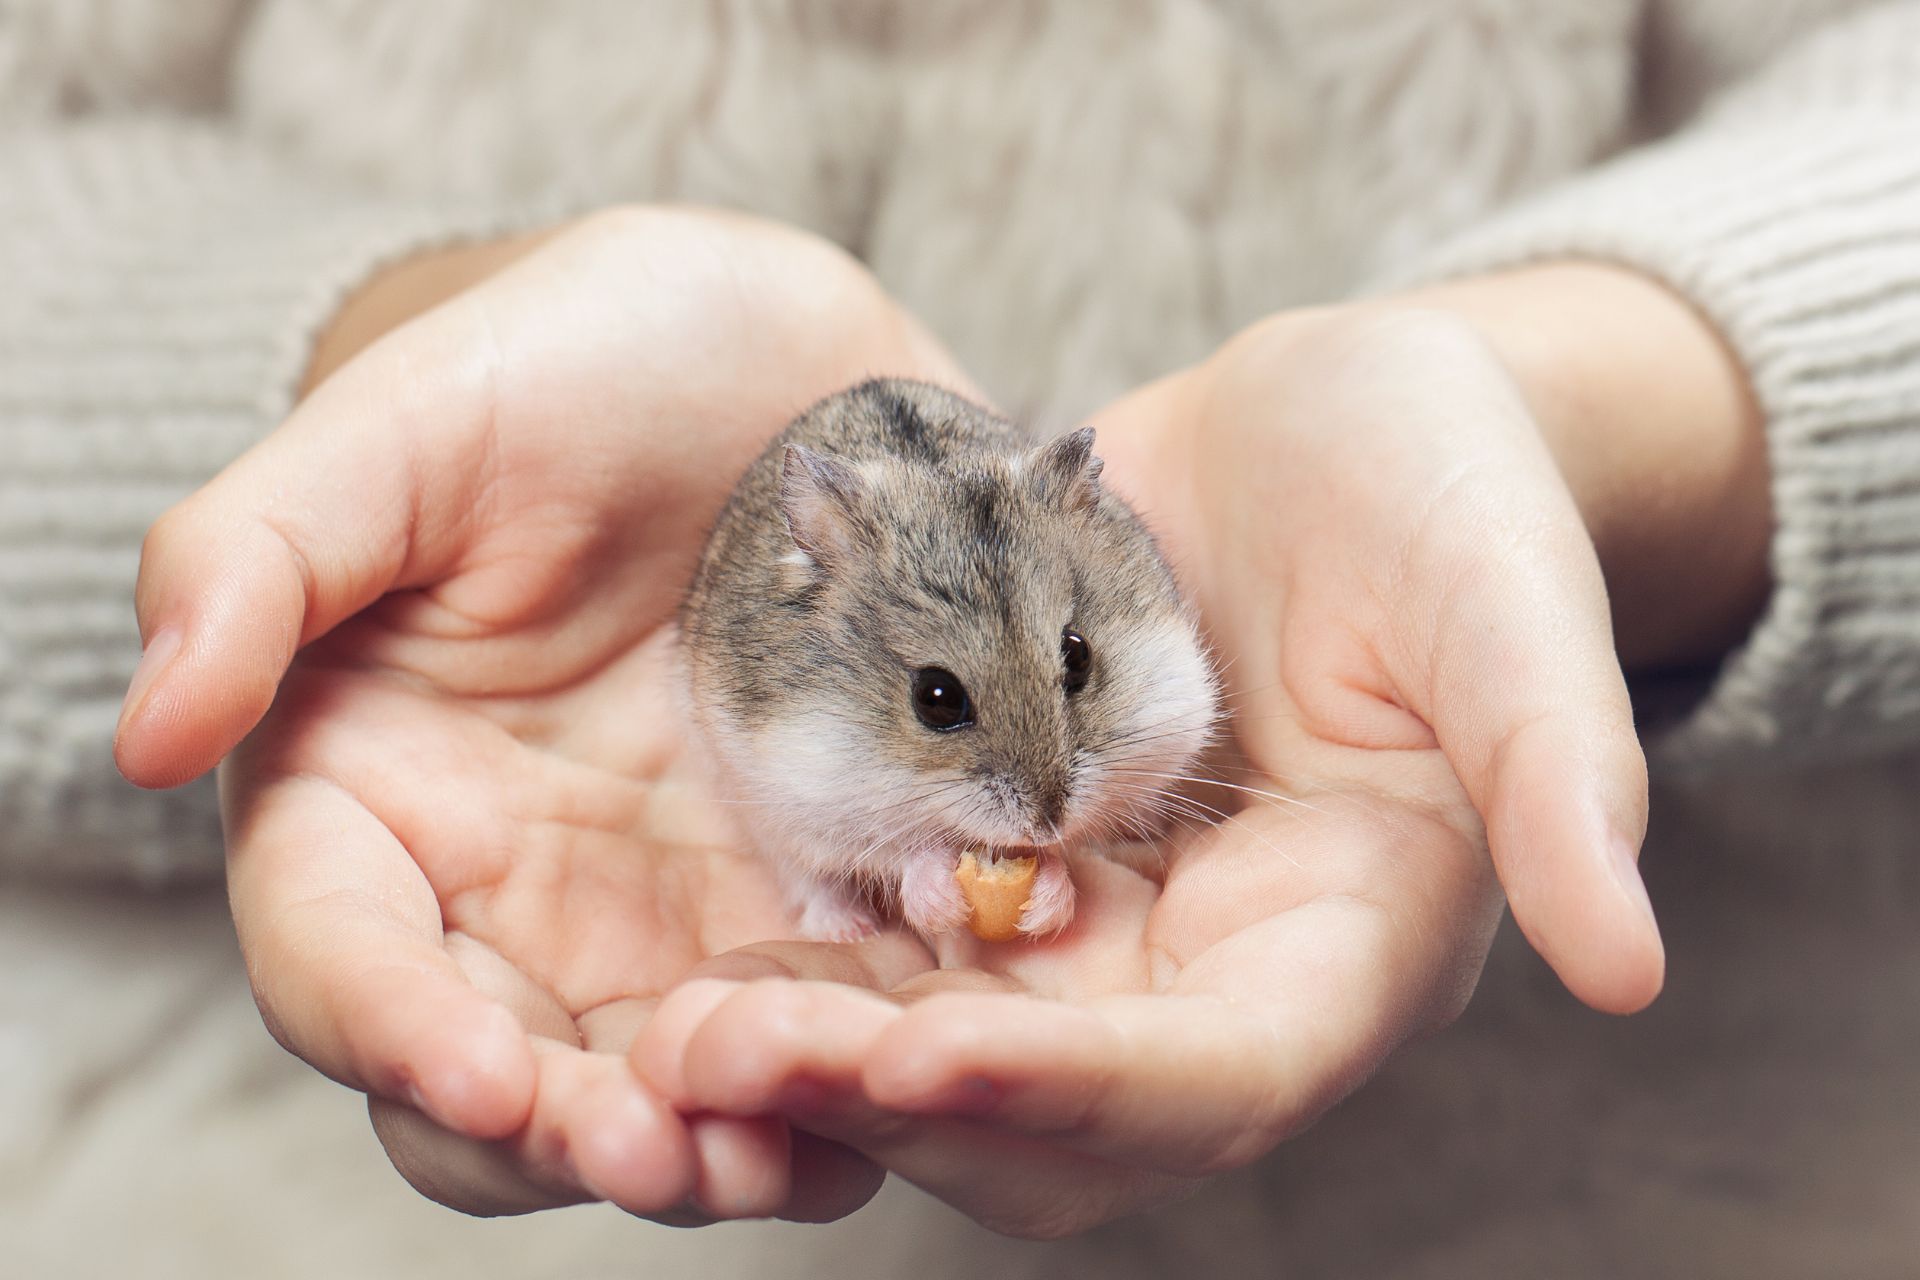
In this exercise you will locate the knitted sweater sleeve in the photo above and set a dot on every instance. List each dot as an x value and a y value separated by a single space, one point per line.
163 278
1788 211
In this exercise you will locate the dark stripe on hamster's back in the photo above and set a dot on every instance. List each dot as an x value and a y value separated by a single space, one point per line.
981 506
904 422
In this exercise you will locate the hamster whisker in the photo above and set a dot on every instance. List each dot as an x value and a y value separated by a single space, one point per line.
1231 786
1187 814
1161 803
1311 786
1150 803
1214 730
1172 727
1146 734
1134 824
919 792
1129 828
1248 693
851 870
1264 839
899 836
1196 806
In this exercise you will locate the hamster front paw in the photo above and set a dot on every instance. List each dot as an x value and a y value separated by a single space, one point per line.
828 914
1050 906
930 897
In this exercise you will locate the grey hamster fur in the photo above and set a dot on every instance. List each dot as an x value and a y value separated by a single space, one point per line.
896 529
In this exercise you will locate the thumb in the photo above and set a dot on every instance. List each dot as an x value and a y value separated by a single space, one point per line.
1531 709
364 489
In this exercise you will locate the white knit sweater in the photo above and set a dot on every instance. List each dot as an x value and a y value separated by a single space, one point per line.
1076 196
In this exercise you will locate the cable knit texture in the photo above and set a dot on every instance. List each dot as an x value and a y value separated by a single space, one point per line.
1790 215
165 280
1076 197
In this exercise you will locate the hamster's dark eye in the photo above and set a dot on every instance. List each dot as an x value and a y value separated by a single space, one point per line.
940 700
1077 654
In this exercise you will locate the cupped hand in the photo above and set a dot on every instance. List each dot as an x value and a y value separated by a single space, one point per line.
1420 672
467 846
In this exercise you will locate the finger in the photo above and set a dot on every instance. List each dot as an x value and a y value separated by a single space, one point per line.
1250 1043
1018 1186
876 965
830 1179
796 1048
305 529
758 1167
1531 709
825 1180
658 1052
750 1048
596 1125
743 1166
594 1133
1013 1184
343 943
481 1178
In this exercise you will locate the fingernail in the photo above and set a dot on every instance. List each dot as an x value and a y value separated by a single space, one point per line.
418 1101
658 1051
153 660
625 1142
1626 869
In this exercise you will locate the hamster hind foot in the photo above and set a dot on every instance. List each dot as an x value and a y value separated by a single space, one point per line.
829 914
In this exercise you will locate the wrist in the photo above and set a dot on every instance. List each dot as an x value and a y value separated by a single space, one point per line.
1655 429
402 290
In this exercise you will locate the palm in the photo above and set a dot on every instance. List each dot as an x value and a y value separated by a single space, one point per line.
469 814
562 828
509 717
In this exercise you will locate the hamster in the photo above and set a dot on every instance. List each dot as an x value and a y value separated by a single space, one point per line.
913 632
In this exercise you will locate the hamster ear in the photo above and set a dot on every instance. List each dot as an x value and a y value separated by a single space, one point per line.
1065 472
819 496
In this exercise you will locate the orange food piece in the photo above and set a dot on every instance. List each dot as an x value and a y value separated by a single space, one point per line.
997 890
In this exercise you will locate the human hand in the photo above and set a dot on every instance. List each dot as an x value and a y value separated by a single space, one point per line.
1402 587
466 845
